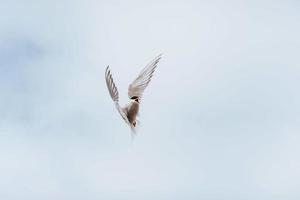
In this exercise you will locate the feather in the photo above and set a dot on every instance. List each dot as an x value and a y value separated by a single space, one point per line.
138 86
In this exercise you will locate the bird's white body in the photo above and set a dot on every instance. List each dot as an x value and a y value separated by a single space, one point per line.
135 91
132 110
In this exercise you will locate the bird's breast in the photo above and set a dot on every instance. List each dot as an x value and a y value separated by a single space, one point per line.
133 110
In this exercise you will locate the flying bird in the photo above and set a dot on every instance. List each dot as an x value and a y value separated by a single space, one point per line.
135 92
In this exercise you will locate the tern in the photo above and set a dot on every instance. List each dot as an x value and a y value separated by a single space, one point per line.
135 92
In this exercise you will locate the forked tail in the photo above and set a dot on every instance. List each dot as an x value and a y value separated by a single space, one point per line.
134 128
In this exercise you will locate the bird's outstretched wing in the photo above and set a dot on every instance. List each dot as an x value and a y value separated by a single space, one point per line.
113 91
137 87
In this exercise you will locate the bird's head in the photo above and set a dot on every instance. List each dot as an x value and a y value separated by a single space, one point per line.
135 98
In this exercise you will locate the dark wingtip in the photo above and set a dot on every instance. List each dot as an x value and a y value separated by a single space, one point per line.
107 71
159 56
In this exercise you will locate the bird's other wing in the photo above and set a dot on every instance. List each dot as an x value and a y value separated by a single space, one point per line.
113 91
137 87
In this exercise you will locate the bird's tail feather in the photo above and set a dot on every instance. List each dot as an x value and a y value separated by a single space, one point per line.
133 131
134 128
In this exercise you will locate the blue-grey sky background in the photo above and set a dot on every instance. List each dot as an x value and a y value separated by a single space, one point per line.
220 119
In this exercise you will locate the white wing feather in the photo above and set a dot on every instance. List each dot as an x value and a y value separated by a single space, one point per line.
113 91
137 87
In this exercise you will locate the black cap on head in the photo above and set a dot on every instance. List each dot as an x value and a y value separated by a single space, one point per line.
134 97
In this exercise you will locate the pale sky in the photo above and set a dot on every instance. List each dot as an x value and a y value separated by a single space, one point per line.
220 119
